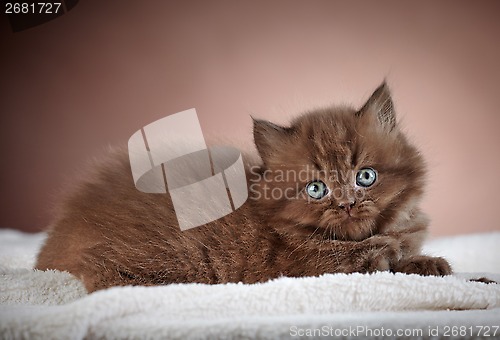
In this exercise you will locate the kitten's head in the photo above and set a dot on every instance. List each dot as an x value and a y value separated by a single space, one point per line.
339 172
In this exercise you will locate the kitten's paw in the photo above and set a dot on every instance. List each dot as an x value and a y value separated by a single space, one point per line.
424 265
383 252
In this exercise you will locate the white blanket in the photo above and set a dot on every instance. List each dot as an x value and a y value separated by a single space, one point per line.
35 304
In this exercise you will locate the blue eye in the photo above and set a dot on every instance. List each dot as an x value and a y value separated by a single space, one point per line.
366 177
316 189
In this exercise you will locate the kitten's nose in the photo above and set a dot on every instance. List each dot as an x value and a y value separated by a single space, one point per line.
347 206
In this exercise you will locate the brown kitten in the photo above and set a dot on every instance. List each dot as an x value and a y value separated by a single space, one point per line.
337 191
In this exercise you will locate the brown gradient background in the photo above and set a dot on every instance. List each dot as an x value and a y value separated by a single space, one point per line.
91 78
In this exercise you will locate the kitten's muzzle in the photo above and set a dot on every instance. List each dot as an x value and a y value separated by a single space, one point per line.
347 206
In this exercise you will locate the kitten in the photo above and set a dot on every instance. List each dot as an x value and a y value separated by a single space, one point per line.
335 192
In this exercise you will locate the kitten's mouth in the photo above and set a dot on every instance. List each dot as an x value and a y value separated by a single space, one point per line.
350 219
354 228
349 216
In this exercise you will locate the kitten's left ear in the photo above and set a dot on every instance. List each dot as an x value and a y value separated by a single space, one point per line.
380 104
268 138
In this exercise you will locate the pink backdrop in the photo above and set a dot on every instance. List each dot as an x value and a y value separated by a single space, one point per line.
91 78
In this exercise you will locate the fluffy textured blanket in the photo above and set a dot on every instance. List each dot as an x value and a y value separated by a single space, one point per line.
51 304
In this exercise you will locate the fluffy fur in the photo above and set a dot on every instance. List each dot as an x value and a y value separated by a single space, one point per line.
108 233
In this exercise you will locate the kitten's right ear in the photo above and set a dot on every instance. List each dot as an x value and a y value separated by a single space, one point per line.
380 104
268 137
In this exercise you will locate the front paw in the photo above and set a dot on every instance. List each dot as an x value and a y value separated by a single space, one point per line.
382 253
424 265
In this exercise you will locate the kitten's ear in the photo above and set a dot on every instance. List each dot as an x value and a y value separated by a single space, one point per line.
268 137
380 104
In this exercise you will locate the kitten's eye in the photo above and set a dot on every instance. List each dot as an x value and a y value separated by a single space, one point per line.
316 189
366 177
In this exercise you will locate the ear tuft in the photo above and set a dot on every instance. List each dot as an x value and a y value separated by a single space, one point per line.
380 103
268 137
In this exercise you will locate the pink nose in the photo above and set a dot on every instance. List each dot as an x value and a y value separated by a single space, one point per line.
347 206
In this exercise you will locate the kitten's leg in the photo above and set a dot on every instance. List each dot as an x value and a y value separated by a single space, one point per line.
411 233
423 265
377 253
381 253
